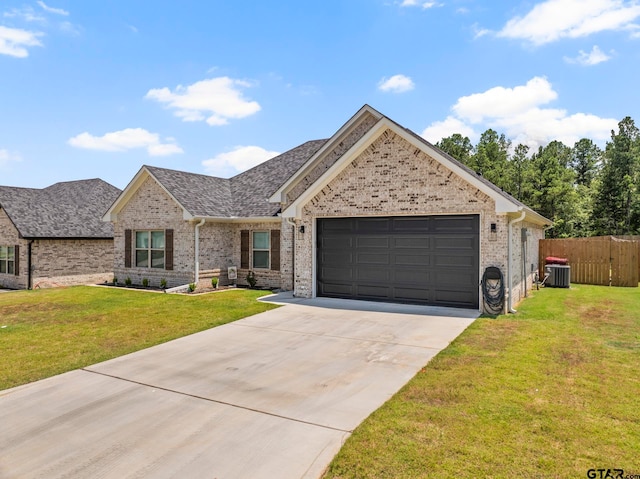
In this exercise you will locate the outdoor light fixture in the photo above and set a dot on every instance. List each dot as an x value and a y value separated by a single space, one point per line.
301 229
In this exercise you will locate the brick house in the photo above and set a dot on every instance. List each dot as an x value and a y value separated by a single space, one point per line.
375 212
55 235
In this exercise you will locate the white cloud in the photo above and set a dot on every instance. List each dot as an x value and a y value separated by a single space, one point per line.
519 113
552 20
238 160
14 41
594 57
419 3
57 11
396 84
127 139
26 13
215 100
7 157
450 125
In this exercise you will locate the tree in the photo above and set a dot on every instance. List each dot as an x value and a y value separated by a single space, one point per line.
585 161
490 158
458 146
519 182
617 206
554 196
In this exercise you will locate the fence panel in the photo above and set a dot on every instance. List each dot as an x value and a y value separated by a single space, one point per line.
636 240
601 260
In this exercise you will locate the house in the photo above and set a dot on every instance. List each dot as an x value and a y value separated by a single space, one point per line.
55 235
375 212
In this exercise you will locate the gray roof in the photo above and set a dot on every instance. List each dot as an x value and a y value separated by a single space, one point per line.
71 209
244 195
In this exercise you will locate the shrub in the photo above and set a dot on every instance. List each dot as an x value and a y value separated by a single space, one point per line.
214 282
192 287
114 280
163 283
251 279
127 281
145 282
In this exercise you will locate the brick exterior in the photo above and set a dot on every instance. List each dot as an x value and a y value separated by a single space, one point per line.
329 159
151 208
391 178
57 262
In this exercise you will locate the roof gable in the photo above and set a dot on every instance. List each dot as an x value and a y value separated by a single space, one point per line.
71 209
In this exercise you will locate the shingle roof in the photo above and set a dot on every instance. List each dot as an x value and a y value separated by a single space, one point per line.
244 195
71 209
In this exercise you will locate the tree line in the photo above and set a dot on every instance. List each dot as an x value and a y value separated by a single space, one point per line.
585 190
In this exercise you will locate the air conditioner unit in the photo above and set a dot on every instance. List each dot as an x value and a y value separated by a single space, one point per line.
558 275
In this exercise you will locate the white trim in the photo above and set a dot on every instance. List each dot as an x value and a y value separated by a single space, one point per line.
314 252
239 219
279 195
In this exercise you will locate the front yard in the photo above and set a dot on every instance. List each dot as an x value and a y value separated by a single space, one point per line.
51 331
552 391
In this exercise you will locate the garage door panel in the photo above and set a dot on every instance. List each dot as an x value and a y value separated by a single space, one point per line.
337 242
426 260
372 258
408 242
415 260
372 242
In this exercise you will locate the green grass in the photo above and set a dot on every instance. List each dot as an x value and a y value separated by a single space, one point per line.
51 331
549 392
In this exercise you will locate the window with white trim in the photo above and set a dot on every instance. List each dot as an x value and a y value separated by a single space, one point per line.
150 249
7 259
261 249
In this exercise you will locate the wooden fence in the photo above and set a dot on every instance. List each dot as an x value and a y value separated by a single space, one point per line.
603 260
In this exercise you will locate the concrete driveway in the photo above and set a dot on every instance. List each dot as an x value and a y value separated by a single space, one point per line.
272 395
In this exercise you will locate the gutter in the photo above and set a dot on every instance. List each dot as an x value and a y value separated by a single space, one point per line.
509 260
29 273
197 248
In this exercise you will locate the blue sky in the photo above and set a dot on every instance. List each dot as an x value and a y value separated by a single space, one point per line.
98 88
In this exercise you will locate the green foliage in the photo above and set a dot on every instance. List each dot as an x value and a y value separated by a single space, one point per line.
145 282
584 190
192 287
163 283
214 282
127 281
251 279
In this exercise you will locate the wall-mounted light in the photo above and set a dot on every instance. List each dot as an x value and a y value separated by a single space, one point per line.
494 228
301 229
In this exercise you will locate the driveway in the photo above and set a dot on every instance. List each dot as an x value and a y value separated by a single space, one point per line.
272 395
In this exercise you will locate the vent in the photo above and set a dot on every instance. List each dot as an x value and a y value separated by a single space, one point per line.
559 275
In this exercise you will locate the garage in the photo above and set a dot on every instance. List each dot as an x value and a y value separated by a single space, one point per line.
431 260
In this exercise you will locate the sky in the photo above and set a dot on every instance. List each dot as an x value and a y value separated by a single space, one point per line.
96 89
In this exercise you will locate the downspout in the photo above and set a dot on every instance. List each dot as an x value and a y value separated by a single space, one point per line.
197 247
29 275
509 260
293 253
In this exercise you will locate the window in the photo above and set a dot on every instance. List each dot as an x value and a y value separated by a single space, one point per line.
261 249
7 259
150 249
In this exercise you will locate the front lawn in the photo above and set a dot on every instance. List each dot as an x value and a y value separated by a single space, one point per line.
552 391
50 331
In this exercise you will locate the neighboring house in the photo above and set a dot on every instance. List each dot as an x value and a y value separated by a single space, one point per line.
375 212
56 236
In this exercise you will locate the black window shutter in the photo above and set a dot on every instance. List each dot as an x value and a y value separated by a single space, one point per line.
168 250
127 248
16 260
244 249
275 250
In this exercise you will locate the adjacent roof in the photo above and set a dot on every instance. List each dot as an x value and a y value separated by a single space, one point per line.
71 209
